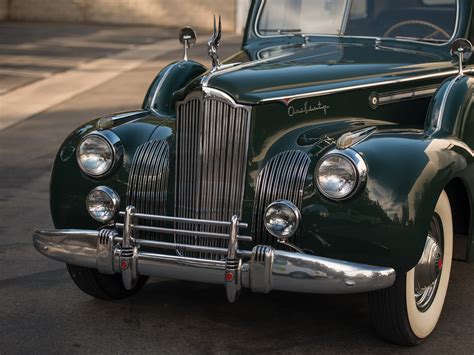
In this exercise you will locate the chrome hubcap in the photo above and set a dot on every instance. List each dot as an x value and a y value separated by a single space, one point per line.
429 268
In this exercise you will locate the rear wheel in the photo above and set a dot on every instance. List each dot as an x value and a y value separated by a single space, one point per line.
408 312
102 286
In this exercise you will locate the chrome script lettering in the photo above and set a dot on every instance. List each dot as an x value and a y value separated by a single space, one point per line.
307 108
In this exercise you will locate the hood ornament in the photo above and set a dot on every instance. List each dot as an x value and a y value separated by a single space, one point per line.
214 43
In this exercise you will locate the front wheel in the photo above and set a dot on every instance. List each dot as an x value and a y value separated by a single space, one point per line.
102 286
408 312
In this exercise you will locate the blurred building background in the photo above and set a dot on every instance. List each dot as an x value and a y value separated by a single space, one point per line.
197 13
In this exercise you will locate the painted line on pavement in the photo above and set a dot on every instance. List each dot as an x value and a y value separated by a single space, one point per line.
27 101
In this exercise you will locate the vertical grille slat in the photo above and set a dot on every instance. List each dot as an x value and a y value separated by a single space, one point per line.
148 183
211 152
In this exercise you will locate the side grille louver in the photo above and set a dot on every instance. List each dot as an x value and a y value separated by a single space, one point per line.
148 182
283 177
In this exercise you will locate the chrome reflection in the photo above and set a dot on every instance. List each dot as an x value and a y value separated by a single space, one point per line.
263 269
429 268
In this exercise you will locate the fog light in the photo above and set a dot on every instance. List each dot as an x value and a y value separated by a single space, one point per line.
282 219
102 203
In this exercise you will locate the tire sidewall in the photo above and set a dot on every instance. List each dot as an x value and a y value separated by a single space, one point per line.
421 323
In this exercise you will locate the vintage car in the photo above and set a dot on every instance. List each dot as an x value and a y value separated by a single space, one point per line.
332 154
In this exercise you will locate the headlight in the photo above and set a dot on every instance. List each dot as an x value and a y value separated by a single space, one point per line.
98 152
102 203
340 174
282 219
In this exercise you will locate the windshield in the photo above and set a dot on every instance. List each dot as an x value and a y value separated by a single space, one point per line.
427 20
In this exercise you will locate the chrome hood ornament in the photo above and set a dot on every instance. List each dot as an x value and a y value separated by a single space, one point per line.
214 43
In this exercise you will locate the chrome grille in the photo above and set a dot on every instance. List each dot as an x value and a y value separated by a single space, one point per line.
148 183
211 154
283 177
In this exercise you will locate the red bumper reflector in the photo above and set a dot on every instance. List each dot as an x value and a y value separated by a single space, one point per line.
124 265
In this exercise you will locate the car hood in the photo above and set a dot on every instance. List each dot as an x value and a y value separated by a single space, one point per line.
281 71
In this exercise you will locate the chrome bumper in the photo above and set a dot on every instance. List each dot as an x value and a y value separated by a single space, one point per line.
261 270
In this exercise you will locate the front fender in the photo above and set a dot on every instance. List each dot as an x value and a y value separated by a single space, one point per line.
387 223
160 97
70 186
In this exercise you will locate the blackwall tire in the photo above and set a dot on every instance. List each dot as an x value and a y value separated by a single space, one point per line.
102 286
396 313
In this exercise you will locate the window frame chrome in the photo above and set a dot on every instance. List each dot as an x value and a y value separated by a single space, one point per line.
450 40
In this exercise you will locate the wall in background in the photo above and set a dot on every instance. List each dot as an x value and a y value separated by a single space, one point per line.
176 13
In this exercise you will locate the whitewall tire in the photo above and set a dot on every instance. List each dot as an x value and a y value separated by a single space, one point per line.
408 312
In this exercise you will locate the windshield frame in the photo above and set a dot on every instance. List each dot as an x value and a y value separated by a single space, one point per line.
344 24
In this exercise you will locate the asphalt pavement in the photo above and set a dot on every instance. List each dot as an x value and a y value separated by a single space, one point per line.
42 311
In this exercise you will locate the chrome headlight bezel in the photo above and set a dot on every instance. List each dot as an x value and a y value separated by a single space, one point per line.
116 148
357 163
296 213
113 197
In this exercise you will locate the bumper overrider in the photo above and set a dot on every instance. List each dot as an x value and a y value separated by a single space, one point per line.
114 250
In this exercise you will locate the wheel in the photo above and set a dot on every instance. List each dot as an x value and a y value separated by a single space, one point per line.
102 286
407 312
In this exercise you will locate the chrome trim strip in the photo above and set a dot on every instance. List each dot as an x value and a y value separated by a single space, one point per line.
345 19
185 220
178 246
442 109
288 99
453 36
391 97
211 74
108 122
181 232
158 88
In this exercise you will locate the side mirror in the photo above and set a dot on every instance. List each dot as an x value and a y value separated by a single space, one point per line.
188 38
461 51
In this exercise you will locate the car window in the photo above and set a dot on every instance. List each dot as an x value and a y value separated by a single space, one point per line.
426 20
359 10
307 16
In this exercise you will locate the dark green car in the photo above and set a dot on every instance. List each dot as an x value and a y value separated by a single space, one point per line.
332 154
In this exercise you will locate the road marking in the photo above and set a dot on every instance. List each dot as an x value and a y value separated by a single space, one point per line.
25 72
39 96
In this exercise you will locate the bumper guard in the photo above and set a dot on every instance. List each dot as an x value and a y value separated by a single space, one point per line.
261 270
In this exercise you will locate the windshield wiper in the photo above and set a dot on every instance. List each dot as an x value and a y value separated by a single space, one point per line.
282 31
